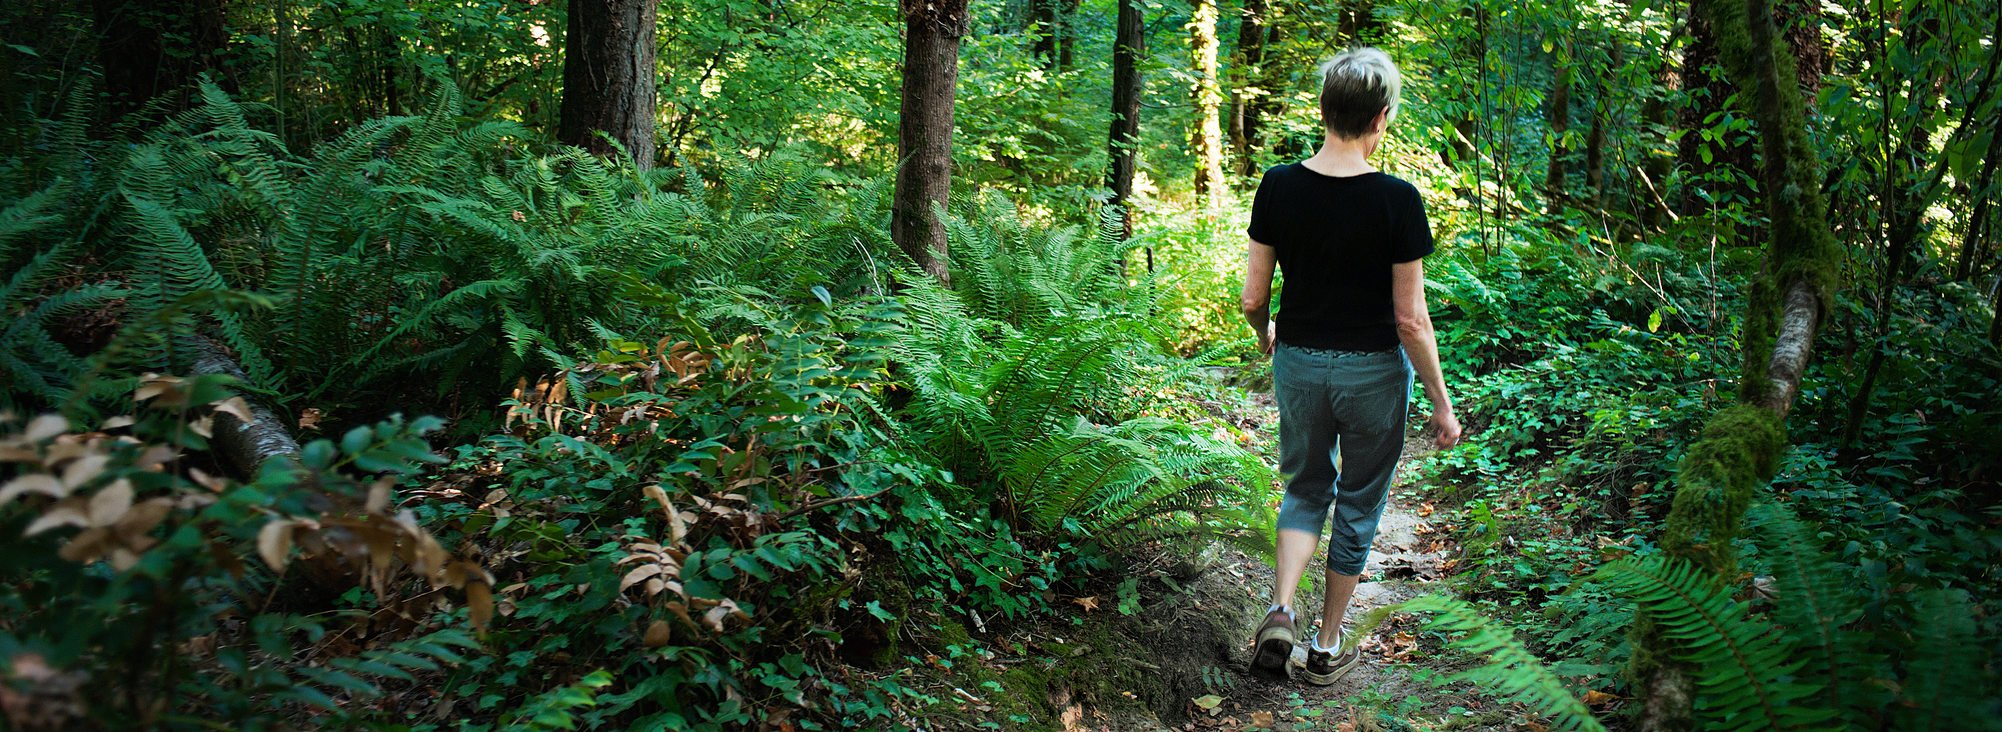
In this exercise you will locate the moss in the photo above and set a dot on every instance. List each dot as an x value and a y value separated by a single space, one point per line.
1715 483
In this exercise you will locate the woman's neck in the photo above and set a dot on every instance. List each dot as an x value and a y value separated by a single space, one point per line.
1339 157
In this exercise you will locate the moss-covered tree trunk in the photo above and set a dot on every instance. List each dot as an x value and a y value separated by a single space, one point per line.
1206 141
1741 445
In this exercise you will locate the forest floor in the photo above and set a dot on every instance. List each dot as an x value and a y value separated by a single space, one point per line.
1401 681
1177 657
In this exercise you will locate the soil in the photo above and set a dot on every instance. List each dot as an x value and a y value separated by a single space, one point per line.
1198 639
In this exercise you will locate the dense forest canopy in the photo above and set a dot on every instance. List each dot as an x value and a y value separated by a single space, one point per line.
801 364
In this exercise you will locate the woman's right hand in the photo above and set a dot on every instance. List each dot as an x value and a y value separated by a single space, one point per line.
1445 427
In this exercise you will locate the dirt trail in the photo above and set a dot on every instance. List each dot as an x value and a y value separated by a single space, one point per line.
1393 687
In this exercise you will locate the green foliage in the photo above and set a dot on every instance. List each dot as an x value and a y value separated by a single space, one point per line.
1744 670
1027 370
1510 669
125 561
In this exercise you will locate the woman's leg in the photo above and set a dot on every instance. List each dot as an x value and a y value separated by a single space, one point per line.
1307 446
1371 408
1341 587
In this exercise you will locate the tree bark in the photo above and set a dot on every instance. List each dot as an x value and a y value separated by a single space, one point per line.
1247 76
1207 139
148 49
1800 20
1741 445
1127 49
243 446
608 77
1559 123
932 29
1045 15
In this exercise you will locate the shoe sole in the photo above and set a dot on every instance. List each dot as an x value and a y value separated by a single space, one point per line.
1334 675
1275 648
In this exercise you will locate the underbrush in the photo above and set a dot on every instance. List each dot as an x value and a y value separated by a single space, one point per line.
745 443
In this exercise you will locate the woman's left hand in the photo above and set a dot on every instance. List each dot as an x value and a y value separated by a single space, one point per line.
1268 338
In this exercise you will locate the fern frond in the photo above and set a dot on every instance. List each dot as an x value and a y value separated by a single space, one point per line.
1744 668
1509 669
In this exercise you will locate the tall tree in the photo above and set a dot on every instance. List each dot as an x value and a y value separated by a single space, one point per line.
932 29
1056 37
1800 23
151 48
608 77
1247 92
1207 139
1560 125
1128 46
1741 445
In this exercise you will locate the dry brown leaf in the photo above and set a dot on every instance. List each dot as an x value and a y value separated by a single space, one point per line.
42 483
309 418
1261 720
378 495
638 575
123 420
479 604
70 511
143 517
274 543
203 425
82 470
85 546
45 427
234 406
657 633
1090 604
1595 697
110 503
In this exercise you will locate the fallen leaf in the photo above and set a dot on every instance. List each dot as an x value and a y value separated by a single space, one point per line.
42 483
1261 720
1090 604
1210 703
1595 697
274 543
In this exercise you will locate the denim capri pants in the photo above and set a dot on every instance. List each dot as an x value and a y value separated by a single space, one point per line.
1345 403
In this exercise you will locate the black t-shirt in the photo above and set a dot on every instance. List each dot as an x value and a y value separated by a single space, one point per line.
1336 238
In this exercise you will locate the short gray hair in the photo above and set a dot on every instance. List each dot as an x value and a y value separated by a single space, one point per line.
1355 85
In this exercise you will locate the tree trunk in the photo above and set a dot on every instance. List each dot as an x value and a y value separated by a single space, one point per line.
1207 139
149 49
1127 49
932 29
1067 42
1800 21
1560 123
1356 23
1247 74
1984 198
608 77
1741 445
1048 25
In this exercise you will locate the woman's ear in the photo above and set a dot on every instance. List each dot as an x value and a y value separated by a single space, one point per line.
1382 121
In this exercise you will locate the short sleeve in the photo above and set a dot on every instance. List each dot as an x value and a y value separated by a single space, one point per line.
1414 238
1262 228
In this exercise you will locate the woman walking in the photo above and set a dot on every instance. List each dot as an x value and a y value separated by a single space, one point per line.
1351 330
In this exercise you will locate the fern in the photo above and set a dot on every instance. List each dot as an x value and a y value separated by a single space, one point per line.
1943 679
1744 668
1510 669
1817 598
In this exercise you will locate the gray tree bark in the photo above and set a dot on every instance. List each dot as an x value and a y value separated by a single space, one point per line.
608 77
932 29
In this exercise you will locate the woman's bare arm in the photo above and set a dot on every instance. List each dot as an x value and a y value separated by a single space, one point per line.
1414 330
1256 299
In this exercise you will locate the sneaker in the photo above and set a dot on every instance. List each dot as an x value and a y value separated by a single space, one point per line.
1273 644
1325 668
